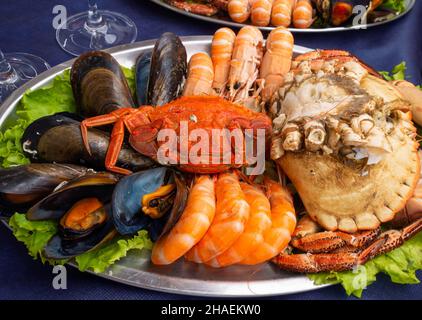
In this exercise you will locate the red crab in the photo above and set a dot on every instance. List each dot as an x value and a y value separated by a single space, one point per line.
206 113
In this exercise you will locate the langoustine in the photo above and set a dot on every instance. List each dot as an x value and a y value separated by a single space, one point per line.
244 70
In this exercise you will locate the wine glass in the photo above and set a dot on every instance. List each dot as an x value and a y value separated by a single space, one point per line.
16 69
95 30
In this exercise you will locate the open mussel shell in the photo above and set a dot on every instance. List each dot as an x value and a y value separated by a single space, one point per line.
55 205
168 70
61 246
58 138
23 186
142 72
128 208
99 85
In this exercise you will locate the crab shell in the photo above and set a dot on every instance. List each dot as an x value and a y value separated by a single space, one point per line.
340 196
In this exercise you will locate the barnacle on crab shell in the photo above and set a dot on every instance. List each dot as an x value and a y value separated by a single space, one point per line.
345 139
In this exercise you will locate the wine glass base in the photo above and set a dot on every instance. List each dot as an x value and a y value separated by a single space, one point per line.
115 29
25 67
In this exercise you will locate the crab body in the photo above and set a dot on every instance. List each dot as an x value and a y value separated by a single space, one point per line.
345 139
182 117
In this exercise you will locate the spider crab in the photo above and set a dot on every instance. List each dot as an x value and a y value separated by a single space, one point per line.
345 138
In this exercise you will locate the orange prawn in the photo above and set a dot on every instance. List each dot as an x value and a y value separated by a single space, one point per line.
283 225
244 66
192 225
232 213
277 61
200 75
261 12
302 14
221 54
239 10
281 14
258 223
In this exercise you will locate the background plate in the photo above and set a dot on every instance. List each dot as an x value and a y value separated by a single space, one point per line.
182 277
225 20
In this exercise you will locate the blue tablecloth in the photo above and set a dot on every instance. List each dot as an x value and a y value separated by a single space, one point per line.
26 25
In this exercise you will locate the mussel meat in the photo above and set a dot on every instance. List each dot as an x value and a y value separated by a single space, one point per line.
153 199
168 70
82 208
99 85
142 71
58 138
23 186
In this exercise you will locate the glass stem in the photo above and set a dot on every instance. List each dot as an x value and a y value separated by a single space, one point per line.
94 18
7 73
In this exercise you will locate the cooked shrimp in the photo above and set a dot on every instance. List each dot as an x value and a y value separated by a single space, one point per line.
232 213
192 225
246 59
239 10
258 223
261 12
221 55
281 15
200 75
283 219
277 61
302 14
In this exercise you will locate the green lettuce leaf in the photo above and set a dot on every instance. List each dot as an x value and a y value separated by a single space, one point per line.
395 5
400 264
398 72
34 234
100 259
57 97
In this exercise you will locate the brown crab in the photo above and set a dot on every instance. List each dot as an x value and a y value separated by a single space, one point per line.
339 251
345 138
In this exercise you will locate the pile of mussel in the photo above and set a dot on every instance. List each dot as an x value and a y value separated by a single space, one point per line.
67 184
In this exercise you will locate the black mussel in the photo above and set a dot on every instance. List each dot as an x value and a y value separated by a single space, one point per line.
91 185
153 199
58 138
82 209
168 70
68 242
23 186
142 71
99 85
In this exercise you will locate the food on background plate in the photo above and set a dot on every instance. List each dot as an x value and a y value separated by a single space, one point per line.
327 107
300 14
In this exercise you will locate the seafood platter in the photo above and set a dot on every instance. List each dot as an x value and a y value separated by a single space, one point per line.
297 15
84 179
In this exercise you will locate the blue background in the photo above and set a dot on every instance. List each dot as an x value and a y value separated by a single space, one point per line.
26 25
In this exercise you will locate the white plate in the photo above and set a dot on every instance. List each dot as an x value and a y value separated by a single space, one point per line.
182 277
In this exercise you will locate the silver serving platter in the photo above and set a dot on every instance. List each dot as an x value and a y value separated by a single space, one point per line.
225 20
182 277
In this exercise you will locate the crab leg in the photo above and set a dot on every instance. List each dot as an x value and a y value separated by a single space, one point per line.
308 238
314 263
342 260
116 139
